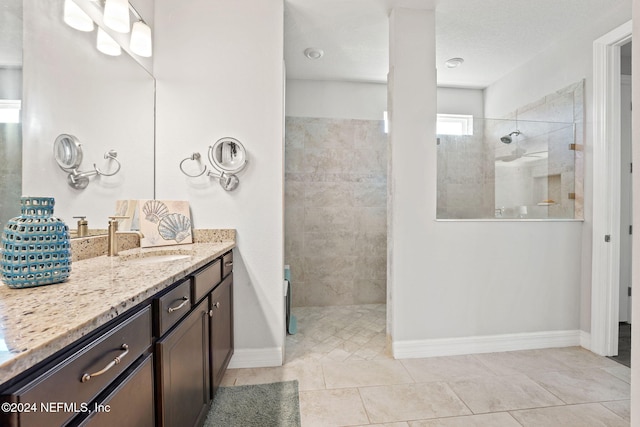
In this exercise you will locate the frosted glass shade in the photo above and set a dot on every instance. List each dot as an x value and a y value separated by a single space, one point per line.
106 44
116 15
75 17
140 43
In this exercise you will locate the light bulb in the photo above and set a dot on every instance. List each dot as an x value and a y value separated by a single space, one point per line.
106 44
116 15
140 43
76 18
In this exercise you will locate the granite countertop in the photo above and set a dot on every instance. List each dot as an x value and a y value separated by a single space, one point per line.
37 322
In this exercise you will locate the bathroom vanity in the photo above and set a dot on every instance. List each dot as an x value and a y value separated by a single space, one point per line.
142 339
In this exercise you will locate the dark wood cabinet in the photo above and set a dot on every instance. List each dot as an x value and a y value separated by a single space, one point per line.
79 376
158 364
183 371
221 310
130 404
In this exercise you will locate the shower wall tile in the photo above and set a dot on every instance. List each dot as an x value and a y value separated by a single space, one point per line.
294 219
370 194
328 194
335 210
293 193
294 160
372 243
368 291
334 219
370 219
328 243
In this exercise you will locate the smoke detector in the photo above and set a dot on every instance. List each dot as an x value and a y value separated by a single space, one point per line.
313 53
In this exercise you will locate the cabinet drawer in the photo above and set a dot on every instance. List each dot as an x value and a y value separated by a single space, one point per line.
227 263
206 280
171 307
67 383
130 404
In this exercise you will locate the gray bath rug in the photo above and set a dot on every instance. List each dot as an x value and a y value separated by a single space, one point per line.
261 405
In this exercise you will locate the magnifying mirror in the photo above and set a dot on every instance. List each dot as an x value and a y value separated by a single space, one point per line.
67 151
228 155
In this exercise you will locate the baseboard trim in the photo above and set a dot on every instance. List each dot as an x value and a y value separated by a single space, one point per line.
585 340
485 344
256 357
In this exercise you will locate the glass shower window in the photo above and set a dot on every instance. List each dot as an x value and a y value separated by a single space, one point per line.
508 169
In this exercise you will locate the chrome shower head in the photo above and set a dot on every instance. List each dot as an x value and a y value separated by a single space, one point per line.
508 139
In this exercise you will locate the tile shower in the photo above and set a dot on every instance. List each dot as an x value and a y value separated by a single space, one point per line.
538 174
336 210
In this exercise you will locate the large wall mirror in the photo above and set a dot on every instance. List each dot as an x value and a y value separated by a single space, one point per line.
69 87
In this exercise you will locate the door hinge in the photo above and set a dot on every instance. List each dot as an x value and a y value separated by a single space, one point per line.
629 291
607 238
631 229
630 167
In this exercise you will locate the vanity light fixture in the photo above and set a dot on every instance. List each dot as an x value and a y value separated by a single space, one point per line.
76 18
454 62
140 42
106 44
116 15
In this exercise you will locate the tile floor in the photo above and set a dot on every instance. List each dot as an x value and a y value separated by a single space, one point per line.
348 378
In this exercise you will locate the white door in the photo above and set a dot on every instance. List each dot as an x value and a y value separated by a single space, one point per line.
625 200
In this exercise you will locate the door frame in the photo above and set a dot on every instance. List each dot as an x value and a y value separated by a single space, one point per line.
605 265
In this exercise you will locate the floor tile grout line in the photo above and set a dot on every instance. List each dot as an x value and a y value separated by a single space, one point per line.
617 415
548 391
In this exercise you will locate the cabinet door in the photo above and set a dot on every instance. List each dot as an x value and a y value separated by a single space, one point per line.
183 371
221 330
130 404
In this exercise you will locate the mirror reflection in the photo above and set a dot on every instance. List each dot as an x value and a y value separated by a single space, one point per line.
71 88
10 105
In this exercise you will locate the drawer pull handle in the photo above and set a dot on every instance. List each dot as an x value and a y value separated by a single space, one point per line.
210 313
228 264
217 305
185 300
114 362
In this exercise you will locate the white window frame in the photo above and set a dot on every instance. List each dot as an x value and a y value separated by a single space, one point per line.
463 122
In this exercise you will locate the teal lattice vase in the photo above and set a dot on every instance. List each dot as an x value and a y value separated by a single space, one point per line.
35 246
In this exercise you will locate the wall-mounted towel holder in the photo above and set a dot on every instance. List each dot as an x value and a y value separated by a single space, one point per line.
227 157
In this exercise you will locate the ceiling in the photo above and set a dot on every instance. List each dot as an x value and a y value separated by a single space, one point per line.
493 36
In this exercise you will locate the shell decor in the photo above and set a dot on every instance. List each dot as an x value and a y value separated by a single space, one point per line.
155 210
174 226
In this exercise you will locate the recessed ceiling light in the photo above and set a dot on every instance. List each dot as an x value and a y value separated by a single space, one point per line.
454 62
313 53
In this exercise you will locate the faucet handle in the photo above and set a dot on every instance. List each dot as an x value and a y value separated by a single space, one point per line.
117 217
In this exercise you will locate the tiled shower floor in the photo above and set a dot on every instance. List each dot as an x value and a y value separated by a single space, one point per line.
348 378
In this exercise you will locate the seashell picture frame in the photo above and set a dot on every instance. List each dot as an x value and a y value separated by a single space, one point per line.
164 222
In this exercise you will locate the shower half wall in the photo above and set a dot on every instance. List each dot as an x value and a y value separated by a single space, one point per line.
336 210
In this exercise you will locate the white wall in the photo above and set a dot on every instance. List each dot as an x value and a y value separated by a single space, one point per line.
569 61
334 99
219 72
461 101
459 287
366 101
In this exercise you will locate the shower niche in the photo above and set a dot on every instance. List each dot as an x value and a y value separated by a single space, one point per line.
527 166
